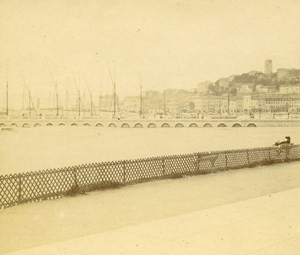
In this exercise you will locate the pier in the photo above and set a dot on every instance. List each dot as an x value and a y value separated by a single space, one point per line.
148 123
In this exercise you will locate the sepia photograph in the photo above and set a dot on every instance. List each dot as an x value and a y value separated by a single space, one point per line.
160 127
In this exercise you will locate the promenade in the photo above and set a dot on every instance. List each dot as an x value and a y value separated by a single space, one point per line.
247 211
266 225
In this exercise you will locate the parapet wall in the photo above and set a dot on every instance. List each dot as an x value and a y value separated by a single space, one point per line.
55 183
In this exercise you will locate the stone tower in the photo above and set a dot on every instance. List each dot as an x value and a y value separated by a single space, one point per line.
268 66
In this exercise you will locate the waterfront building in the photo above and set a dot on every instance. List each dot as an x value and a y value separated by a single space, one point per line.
198 103
289 89
289 103
106 103
131 104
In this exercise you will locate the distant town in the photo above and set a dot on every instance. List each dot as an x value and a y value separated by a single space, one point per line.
254 95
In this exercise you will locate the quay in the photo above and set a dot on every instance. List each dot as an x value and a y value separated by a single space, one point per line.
148 123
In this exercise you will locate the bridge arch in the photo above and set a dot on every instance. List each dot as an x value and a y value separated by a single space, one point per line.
125 125
179 125
86 125
251 125
14 124
193 125
151 125
112 125
74 124
49 124
236 125
2 125
37 125
99 125
61 124
222 125
207 125
165 125
25 125
138 125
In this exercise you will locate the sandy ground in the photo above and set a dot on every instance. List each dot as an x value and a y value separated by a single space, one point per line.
267 225
47 222
49 147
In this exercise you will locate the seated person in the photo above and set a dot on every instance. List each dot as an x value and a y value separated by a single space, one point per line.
288 141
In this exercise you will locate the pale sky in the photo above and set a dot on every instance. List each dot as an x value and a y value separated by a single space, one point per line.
171 43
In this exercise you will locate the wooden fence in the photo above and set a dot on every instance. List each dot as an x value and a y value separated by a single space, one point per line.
50 184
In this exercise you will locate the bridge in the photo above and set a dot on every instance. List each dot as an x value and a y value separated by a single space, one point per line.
148 123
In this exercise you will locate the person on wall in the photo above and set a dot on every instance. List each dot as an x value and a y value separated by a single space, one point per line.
284 144
287 141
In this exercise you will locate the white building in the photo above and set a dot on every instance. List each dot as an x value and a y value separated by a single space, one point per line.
289 89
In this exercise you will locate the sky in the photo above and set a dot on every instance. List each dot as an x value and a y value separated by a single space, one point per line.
160 43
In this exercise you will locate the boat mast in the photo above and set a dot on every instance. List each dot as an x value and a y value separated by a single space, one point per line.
100 100
57 106
113 80
115 91
7 89
30 102
141 96
79 97
164 102
91 96
67 98
56 89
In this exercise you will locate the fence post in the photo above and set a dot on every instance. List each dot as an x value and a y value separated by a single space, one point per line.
226 159
19 188
124 171
248 159
75 178
198 162
270 154
163 166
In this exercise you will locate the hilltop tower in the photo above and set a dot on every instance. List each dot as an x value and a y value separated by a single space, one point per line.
268 66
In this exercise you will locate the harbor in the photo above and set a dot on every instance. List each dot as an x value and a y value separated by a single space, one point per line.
149 127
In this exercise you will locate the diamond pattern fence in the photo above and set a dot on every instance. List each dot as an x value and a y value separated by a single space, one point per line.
55 183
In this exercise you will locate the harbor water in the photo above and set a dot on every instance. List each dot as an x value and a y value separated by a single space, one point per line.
32 149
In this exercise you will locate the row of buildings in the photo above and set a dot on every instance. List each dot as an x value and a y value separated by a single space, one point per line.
250 93
179 102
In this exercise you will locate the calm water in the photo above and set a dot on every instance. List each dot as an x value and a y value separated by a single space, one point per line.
49 147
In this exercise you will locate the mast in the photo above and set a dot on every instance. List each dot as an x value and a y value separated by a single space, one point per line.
29 103
7 98
164 102
113 80
100 100
79 98
67 98
57 105
7 89
228 102
115 90
54 80
23 97
141 97
91 96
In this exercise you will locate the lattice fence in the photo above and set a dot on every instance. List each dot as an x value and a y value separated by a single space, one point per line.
55 183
